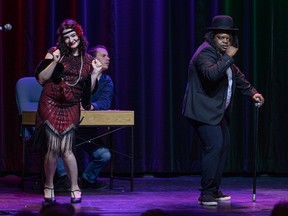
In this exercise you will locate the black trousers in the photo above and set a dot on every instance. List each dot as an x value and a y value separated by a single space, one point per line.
215 147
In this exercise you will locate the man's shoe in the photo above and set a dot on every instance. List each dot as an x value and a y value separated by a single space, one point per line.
207 200
96 185
100 185
62 183
219 196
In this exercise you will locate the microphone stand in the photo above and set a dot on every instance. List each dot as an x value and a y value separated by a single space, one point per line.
257 106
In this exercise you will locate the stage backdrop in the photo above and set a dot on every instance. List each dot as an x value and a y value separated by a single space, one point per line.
151 43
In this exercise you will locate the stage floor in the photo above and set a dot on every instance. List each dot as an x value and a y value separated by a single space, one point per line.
177 196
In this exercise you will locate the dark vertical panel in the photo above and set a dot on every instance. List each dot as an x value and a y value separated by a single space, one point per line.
15 60
278 123
2 147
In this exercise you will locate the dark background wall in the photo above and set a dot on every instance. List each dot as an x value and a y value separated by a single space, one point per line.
151 43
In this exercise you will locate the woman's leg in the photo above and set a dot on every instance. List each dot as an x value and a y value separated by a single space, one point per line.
70 163
50 161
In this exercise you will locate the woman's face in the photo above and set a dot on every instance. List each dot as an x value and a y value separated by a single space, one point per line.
71 39
222 41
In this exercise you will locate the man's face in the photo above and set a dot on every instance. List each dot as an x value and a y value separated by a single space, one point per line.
222 41
103 57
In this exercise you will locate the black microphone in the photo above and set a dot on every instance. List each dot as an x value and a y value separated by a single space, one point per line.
6 27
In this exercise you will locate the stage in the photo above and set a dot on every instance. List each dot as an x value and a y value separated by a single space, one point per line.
175 195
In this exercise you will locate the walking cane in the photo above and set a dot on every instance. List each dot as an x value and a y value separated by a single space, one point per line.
257 106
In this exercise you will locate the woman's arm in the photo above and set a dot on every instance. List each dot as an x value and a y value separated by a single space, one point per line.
47 72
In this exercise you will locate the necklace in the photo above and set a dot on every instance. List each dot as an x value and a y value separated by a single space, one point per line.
79 77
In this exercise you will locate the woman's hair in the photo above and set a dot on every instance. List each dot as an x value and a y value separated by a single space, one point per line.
71 24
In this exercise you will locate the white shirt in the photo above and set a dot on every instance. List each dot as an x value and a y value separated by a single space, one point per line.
229 90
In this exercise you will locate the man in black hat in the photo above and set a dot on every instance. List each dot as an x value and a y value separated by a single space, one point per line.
212 80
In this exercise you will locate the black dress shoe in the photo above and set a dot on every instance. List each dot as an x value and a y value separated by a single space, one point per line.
62 183
96 185
100 185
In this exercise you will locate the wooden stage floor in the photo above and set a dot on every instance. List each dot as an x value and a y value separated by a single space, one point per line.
176 196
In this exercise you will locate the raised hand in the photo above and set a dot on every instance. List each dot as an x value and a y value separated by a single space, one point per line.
56 55
231 51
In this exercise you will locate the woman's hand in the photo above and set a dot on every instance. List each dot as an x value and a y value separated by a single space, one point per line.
96 73
97 67
56 55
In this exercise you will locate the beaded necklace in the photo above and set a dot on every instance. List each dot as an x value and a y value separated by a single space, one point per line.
79 77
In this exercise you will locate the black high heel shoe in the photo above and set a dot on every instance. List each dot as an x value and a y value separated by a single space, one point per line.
49 199
75 199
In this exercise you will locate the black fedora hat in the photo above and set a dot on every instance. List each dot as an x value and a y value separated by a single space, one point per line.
222 22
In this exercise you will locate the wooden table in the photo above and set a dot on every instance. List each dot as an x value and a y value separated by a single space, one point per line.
114 120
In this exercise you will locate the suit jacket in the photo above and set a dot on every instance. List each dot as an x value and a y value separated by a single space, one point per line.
207 84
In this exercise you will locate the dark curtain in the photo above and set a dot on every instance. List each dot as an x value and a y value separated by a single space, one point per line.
150 44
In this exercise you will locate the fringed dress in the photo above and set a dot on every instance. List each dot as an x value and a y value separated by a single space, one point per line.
59 104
